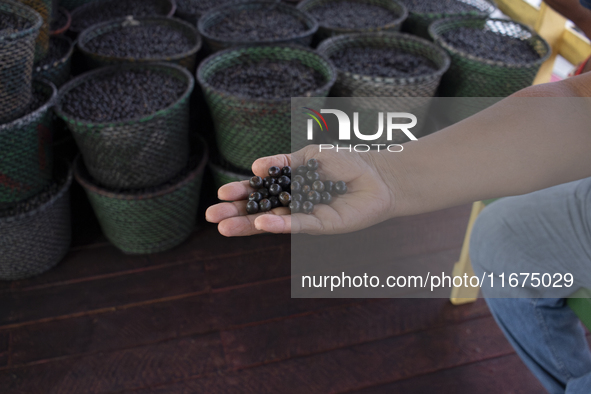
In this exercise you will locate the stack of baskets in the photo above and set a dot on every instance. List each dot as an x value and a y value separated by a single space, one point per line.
34 211
140 175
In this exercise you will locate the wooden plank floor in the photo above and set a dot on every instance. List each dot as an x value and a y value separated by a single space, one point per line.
215 316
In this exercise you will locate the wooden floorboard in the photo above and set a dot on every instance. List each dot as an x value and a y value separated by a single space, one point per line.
215 315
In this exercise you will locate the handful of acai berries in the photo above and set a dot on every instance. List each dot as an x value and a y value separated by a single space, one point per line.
300 193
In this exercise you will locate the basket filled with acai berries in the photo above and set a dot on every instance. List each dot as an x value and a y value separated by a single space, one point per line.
301 193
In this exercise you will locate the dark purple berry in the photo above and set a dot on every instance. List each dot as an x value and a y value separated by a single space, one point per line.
301 170
318 186
255 196
306 189
295 206
297 197
285 198
268 181
284 182
314 197
275 190
312 176
312 165
307 207
329 186
275 172
326 198
264 193
274 202
265 205
296 187
252 207
286 171
256 182
340 187
299 178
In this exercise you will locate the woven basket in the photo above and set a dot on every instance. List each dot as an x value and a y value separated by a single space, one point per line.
141 223
190 10
325 31
26 159
418 23
70 5
17 52
43 8
59 30
247 128
217 15
471 76
139 152
224 173
94 60
165 8
35 241
57 72
355 85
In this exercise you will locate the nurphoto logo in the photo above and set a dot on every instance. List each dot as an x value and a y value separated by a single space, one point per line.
390 119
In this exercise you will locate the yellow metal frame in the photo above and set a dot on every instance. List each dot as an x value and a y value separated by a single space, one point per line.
575 48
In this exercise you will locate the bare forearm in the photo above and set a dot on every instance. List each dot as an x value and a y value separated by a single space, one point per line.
573 10
517 146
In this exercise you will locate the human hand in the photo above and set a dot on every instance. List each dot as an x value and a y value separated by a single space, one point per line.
368 201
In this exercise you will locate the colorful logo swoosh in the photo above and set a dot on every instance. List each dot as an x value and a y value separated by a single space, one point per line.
315 115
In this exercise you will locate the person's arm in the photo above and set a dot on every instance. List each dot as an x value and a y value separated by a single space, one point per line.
517 146
514 147
574 11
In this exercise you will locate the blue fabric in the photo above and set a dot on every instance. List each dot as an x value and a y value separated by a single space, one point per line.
545 231
586 3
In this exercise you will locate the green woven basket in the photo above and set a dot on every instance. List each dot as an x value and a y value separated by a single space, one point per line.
471 76
217 15
139 222
326 31
248 128
139 152
418 22
36 240
224 173
26 160
58 71
43 8
355 85
70 5
164 8
94 60
17 51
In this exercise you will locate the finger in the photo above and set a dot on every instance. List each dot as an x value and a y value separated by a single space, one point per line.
235 191
244 225
285 224
261 166
217 213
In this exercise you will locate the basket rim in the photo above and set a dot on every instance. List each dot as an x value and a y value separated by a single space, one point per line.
86 6
89 185
107 70
490 9
65 27
26 117
441 42
62 60
33 15
326 44
206 85
311 23
59 194
81 41
343 30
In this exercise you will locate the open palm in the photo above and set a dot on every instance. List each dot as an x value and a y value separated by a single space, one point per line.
367 202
